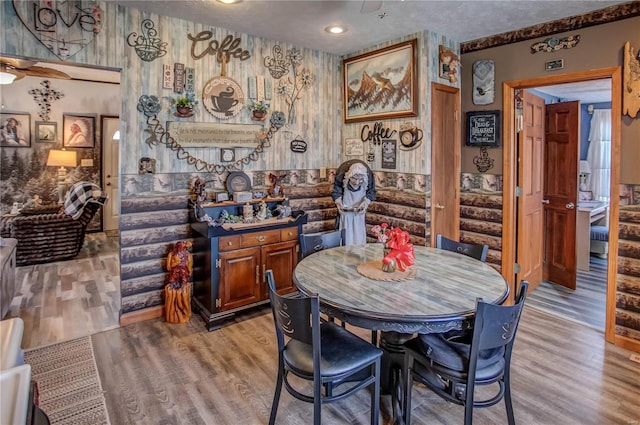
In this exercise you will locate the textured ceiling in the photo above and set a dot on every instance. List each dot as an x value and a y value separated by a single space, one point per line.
302 22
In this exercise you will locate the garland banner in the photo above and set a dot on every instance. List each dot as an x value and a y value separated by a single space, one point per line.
207 135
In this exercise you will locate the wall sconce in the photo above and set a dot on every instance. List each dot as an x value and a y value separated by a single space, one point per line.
585 170
590 109
61 158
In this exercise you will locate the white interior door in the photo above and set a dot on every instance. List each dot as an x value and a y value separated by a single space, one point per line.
111 171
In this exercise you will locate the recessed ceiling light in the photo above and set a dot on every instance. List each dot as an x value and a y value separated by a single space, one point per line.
335 29
229 1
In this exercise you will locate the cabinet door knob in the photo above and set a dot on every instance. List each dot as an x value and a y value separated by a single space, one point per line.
290 233
260 238
229 243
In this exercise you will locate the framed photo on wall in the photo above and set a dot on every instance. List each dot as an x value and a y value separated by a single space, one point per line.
353 147
382 84
46 131
15 129
78 131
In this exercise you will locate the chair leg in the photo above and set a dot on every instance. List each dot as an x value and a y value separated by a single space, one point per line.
507 400
468 405
375 395
276 395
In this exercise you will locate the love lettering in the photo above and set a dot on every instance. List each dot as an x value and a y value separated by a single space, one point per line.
377 134
46 19
228 47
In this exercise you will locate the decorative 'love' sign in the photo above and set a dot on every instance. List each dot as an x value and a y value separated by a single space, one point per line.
64 27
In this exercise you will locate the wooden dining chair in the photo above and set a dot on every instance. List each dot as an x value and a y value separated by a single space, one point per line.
452 367
479 252
321 352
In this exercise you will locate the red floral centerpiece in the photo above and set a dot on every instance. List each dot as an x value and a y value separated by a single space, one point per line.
401 255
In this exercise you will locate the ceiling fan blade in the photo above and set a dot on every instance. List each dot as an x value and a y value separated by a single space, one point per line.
370 6
39 71
17 63
11 70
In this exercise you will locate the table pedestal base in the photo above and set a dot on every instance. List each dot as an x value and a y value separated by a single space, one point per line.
392 379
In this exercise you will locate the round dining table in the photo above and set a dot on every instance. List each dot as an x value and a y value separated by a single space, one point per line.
440 296
437 294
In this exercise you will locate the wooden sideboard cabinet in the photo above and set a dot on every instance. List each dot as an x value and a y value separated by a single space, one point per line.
230 262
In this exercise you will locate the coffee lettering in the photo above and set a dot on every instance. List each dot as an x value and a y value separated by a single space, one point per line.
377 134
228 47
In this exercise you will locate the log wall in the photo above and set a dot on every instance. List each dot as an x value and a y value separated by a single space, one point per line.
628 279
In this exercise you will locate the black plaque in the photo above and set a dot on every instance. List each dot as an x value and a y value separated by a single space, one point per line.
483 128
389 152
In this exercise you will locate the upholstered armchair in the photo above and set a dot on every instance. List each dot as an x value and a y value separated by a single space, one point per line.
54 236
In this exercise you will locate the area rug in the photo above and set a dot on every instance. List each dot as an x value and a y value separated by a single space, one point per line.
68 383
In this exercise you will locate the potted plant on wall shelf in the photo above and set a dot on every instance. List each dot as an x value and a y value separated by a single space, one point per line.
184 104
258 109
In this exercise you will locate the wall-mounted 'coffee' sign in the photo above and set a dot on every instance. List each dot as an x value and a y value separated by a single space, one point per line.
207 135
483 128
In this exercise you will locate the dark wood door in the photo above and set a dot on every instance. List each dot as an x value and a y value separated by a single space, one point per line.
282 259
445 162
530 179
560 192
240 278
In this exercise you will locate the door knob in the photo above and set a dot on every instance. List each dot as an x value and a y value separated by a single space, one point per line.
545 201
570 206
439 207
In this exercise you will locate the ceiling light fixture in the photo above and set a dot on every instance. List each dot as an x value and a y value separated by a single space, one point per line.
335 29
9 74
6 77
229 1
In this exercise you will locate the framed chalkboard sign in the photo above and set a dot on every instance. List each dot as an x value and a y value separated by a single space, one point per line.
483 128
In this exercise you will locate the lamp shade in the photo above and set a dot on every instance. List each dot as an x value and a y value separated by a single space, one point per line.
60 158
584 167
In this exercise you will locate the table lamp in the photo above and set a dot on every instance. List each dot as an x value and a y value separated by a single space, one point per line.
585 170
62 159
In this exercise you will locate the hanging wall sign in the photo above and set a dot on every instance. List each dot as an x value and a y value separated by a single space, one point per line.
222 97
553 44
389 154
298 146
178 77
483 82
208 134
64 27
483 128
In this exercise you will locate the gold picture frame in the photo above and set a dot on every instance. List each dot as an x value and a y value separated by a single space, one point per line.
381 84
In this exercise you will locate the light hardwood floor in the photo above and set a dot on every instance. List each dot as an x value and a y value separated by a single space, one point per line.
157 373
69 299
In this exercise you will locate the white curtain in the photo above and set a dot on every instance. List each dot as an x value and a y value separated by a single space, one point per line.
599 154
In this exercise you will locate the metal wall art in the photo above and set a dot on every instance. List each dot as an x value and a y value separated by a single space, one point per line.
64 27
150 106
631 82
227 49
483 162
376 135
278 65
483 82
43 97
410 136
294 86
553 44
146 44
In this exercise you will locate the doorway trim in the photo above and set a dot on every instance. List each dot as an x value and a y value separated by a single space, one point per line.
509 164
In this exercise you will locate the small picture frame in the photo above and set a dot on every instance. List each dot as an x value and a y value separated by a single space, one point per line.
15 129
389 153
46 131
585 195
222 196
227 155
78 131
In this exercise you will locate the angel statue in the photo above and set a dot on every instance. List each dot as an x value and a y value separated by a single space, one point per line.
180 264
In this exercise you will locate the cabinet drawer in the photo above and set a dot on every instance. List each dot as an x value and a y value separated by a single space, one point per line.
290 234
260 238
228 243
